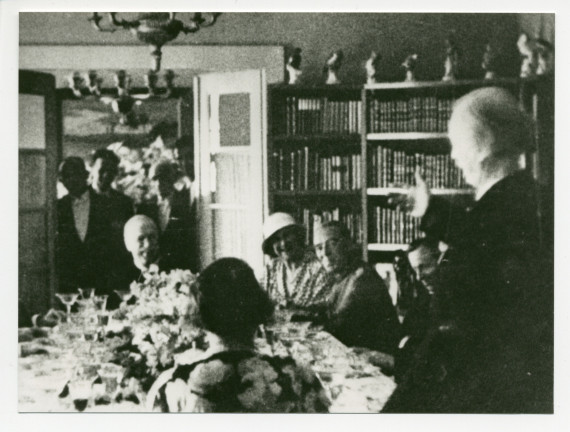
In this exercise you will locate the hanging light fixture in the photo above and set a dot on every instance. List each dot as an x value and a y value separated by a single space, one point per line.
156 28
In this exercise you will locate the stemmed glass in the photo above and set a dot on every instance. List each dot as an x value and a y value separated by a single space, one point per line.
86 293
101 309
125 296
68 299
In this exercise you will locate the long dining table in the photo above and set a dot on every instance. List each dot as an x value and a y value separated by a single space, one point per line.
50 358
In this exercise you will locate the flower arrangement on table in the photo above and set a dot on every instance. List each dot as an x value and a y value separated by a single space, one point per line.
158 325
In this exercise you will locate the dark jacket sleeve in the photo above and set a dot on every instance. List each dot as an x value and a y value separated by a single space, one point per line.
365 315
444 220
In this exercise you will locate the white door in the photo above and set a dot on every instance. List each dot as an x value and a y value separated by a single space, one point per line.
230 154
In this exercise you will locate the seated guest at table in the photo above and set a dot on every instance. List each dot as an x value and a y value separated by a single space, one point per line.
294 276
359 310
118 208
173 216
497 356
423 255
142 240
82 241
231 376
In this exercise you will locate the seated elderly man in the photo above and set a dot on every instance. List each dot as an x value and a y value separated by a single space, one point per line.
497 356
142 241
360 310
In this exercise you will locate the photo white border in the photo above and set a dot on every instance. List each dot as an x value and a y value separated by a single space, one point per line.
10 420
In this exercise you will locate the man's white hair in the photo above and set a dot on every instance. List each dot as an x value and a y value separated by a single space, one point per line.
504 129
137 223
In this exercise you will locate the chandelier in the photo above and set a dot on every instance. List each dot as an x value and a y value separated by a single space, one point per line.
156 28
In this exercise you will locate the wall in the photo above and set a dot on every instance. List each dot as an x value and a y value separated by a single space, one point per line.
394 36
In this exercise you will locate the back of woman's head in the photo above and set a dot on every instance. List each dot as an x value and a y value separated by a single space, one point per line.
230 301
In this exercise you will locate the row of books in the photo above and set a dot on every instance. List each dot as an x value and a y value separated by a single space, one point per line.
305 169
306 116
391 167
416 114
350 219
389 225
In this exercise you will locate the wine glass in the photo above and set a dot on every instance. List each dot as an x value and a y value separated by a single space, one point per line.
125 296
68 299
86 293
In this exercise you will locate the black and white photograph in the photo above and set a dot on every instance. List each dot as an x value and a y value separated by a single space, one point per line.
285 212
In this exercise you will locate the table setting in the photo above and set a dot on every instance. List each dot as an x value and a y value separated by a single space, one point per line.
95 360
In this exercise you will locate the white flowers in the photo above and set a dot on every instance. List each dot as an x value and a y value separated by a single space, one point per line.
157 318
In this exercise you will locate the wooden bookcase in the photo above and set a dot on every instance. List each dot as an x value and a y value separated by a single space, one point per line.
314 157
338 152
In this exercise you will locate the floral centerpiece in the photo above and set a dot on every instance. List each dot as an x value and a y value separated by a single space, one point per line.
159 325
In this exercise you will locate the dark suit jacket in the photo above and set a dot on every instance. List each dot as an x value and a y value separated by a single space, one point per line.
118 209
177 241
361 312
82 263
494 353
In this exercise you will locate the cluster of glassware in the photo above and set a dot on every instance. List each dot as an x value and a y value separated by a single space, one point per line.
93 378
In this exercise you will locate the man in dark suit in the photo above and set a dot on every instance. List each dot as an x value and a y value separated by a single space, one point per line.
359 309
118 208
82 233
494 353
173 216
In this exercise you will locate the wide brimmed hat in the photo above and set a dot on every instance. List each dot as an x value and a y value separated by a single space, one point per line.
275 223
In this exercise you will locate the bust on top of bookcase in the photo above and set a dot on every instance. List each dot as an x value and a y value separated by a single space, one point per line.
339 152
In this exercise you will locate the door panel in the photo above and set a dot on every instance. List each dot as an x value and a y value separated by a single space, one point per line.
37 163
230 147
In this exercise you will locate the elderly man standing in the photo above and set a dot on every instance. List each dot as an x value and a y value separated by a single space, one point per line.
495 354
360 310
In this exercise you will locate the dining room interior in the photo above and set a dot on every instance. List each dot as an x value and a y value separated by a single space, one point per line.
165 158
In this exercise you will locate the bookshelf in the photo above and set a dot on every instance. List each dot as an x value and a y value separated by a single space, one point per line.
314 157
339 152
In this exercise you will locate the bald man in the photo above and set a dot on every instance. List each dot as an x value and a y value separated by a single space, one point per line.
494 355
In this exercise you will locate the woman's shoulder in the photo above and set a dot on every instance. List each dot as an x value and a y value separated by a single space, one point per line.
255 382
279 384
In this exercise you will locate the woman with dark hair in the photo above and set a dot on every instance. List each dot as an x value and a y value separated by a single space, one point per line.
231 376
294 276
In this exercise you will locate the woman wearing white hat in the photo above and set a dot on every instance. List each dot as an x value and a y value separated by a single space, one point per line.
294 276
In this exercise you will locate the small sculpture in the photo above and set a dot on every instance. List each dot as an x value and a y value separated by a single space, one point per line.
451 64
528 56
76 83
545 51
93 83
372 66
169 76
410 65
294 66
332 66
150 82
489 63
